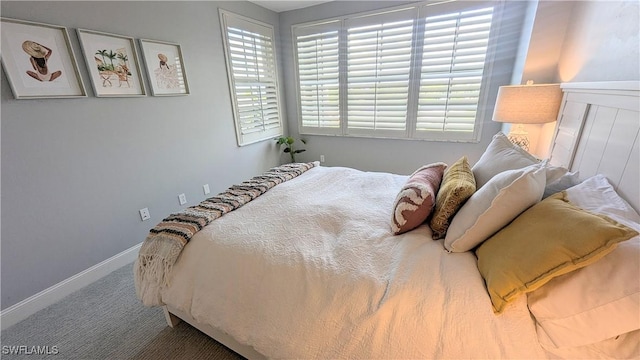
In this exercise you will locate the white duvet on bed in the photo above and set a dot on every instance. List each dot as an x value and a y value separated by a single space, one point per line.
311 270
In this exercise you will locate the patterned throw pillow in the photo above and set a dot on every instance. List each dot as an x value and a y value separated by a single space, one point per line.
458 184
417 197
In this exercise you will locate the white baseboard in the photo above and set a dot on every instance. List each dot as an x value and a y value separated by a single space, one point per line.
29 306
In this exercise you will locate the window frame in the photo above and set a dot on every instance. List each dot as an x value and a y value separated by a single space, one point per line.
367 21
251 25
319 130
422 10
298 91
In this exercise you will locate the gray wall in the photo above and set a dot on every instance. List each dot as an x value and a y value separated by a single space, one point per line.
576 41
76 171
547 40
400 156
602 42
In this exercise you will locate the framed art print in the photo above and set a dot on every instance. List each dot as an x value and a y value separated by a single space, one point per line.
112 62
165 68
38 60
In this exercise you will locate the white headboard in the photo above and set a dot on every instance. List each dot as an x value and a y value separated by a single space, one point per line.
598 133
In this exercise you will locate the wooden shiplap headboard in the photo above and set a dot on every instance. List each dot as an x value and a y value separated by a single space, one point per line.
598 132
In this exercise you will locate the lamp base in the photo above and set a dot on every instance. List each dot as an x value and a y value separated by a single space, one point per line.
518 136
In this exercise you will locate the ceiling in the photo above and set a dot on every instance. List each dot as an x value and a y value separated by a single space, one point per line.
286 5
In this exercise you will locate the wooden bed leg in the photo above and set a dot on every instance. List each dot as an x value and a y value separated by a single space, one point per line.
172 320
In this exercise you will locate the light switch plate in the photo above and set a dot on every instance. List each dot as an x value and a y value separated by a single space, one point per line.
205 188
182 198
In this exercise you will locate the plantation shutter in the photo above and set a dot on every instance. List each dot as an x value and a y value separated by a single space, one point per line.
251 65
413 72
318 76
453 61
378 72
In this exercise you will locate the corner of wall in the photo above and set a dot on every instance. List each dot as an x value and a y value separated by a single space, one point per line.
525 40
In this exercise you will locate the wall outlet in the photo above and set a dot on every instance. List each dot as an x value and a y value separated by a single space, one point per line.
321 158
144 214
205 188
182 198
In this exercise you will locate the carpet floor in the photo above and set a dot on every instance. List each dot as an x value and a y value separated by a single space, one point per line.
105 320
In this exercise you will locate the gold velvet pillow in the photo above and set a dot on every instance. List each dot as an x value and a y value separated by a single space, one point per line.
458 184
552 238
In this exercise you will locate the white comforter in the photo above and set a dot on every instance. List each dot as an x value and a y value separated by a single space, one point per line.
311 270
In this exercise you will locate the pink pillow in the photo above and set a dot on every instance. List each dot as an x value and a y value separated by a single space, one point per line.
417 198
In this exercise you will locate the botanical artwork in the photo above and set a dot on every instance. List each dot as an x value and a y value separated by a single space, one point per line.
111 72
165 68
39 61
112 62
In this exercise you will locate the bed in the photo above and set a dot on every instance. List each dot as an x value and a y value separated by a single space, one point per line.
319 266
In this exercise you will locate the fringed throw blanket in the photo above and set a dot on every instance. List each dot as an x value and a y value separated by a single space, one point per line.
165 241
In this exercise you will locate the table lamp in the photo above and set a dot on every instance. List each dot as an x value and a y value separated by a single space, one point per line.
526 104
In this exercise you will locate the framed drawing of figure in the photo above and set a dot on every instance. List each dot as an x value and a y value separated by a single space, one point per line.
165 68
38 60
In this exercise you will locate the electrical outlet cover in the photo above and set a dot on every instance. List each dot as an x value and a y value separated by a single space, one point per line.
144 214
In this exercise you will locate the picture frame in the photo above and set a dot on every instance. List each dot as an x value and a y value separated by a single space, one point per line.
165 68
112 62
38 60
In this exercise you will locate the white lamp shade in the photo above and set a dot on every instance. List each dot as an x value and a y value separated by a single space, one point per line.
528 104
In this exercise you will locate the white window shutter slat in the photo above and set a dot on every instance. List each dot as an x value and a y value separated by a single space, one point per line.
318 78
251 64
411 72
379 51
453 61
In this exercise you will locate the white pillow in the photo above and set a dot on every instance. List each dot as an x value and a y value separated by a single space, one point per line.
625 346
555 173
494 206
566 181
500 155
599 301
596 194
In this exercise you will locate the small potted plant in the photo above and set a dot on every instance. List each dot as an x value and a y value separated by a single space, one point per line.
288 141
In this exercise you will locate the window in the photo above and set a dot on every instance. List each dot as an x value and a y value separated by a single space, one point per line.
453 60
411 72
378 72
318 78
253 80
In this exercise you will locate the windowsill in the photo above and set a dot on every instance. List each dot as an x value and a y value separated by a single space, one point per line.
469 141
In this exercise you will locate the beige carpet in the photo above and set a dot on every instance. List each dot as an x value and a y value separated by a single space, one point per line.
105 320
184 342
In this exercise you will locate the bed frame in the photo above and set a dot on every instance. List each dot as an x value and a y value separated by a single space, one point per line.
174 316
597 132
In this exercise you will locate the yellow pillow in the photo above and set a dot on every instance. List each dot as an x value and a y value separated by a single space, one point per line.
458 184
550 239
